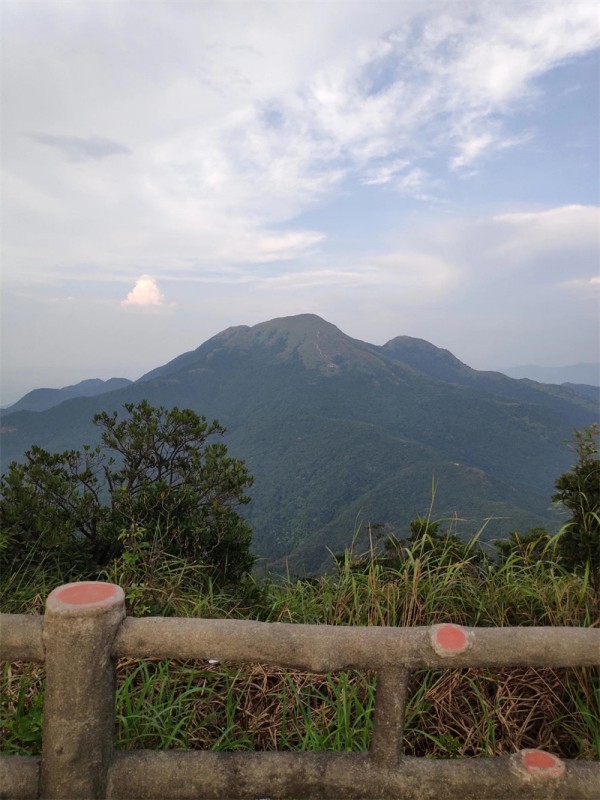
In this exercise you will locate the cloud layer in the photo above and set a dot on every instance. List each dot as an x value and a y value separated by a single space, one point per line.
374 162
77 148
234 130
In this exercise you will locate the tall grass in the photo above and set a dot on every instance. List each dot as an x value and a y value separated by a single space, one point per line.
467 712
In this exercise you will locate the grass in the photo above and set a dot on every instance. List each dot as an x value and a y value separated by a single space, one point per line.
450 713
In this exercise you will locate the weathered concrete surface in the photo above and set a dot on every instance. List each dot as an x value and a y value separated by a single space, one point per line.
316 776
388 718
79 704
19 777
329 648
21 637
83 632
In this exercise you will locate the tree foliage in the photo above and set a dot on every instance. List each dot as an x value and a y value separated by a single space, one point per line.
526 549
156 473
426 541
579 492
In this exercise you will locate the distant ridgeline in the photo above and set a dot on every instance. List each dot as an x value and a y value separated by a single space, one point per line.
339 433
587 374
43 399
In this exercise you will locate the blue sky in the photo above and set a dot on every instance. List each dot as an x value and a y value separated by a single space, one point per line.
421 168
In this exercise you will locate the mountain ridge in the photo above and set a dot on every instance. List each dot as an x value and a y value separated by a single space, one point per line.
338 432
587 373
44 398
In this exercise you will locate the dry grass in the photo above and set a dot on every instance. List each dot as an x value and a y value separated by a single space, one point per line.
450 713
462 713
467 713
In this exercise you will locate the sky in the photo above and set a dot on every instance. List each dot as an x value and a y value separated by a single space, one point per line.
417 167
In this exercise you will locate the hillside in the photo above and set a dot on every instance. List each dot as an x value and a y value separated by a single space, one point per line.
339 432
585 373
591 392
43 399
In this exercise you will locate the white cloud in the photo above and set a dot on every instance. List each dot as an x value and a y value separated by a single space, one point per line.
144 293
590 286
318 278
287 246
471 148
495 59
421 274
386 172
554 218
414 182
76 148
233 129
548 233
416 275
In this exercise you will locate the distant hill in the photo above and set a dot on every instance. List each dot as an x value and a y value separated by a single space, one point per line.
338 432
43 399
591 392
584 373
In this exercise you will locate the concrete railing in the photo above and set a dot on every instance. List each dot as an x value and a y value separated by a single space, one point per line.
84 630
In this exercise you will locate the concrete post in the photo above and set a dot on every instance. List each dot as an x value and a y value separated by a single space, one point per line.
80 624
388 722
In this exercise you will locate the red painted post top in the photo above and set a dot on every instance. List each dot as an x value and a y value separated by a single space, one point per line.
450 640
537 765
85 595
539 762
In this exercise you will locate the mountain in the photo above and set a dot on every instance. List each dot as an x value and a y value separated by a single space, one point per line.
584 373
591 392
339 433
43 399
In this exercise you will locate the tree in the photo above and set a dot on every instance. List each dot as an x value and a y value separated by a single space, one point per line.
444 547
526 550
155 472
426 541
579 492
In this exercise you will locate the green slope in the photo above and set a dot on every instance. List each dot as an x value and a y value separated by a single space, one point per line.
339 432
43 399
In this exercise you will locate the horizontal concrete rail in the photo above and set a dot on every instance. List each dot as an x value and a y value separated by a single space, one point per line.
84 631
338 776
318 648
19 777
214 776
21 637
330 648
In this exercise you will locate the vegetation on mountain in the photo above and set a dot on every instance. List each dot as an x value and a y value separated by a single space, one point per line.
426 577
43 399
155 482
575 549
579 491
450 713
535 546
583 373
339 433
591 392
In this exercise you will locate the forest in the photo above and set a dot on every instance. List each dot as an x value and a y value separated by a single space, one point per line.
154 508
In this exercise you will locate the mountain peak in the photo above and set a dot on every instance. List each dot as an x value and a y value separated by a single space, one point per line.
426 357
316 342
336 430
303 325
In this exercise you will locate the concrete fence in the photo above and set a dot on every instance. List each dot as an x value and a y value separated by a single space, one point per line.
85 629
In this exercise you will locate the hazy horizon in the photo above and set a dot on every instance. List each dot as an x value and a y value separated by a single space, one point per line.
532 371
408 168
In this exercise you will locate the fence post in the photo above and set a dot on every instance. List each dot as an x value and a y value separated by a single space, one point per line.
388 722
80 624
